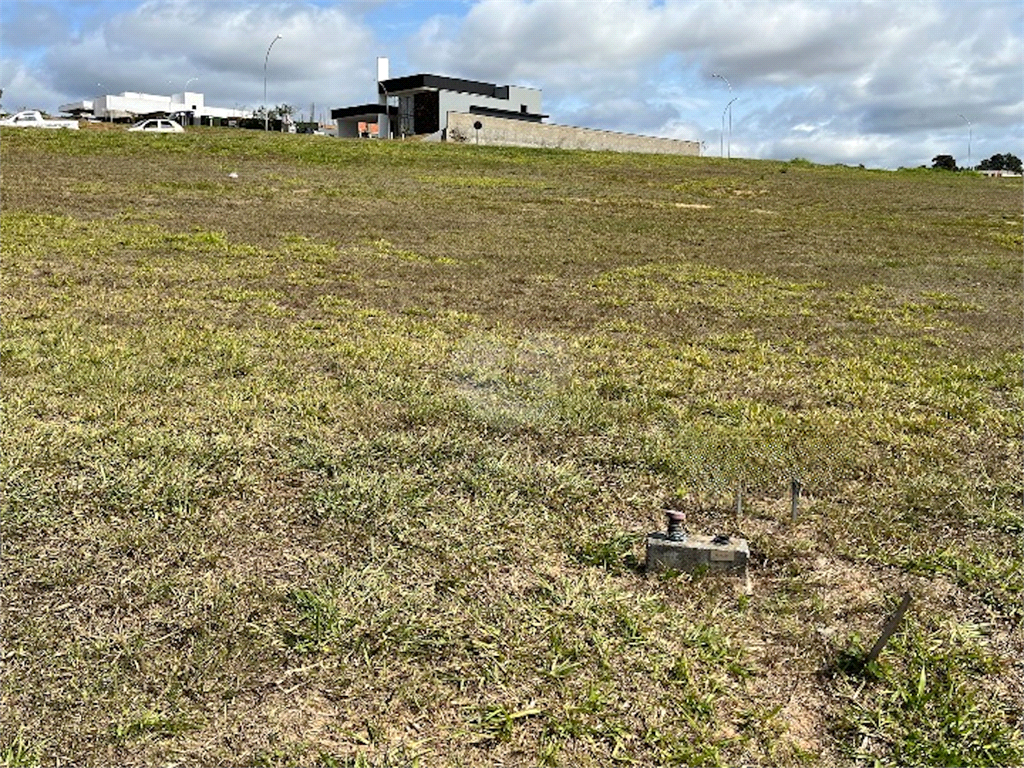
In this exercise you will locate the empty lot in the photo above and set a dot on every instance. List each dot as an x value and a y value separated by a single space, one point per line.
350 460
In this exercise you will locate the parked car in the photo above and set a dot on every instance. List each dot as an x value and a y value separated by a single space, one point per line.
34 119
157 125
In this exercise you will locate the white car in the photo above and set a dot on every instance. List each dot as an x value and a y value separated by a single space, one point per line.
33 119
156 125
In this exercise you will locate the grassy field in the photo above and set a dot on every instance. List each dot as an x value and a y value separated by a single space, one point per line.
350 460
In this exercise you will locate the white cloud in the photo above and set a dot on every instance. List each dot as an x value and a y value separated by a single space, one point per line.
842 148
325 55
28 25
24 88
875 72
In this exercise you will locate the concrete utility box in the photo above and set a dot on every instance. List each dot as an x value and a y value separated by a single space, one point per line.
713 554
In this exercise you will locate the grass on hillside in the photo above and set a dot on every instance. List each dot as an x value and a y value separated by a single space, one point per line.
349 461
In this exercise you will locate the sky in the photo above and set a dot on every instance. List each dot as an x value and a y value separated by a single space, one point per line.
883 84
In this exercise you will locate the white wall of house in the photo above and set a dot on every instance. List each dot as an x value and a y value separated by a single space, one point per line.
522 133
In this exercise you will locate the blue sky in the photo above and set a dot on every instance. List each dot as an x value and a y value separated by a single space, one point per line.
885 84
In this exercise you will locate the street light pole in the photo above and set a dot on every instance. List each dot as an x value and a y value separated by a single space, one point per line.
968 139
106 111
728 144
184 102
721 137
266 112
728 107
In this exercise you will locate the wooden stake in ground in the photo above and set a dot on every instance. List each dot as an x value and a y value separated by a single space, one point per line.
794 493
888 629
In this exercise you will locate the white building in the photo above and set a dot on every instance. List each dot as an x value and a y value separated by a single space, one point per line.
130 105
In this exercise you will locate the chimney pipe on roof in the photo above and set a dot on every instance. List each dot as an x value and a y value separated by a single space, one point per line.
384 123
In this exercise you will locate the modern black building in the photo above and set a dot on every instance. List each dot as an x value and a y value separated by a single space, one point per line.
424 102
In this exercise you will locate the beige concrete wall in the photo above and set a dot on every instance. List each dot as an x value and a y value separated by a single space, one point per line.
521 133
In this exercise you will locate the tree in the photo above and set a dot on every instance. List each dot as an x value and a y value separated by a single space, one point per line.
1007 162
273 113
945 162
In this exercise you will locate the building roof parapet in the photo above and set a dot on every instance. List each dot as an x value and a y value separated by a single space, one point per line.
363 112
424 82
